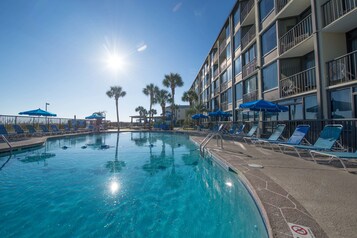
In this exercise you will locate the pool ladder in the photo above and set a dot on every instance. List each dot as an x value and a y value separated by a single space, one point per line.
208 138
7 142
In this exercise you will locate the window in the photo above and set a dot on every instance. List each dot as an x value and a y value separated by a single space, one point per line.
229 73
224 77
229 95
269 40
250 85
311 108
239 91
227 31
270 76
238 65
341 106
249 55
237 40
228 51
236 16
265 7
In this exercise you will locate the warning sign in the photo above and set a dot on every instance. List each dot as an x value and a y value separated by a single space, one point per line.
300 231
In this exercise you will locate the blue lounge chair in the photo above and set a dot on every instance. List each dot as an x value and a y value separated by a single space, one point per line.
327 139
45 130
341 156
55 129
295 139
19 131
251 132
4 132
276 135
32 131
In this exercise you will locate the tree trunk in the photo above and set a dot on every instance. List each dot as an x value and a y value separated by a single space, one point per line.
172 107
116 105
150 114
163 113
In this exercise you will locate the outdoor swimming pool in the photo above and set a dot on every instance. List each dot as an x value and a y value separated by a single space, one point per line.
142 185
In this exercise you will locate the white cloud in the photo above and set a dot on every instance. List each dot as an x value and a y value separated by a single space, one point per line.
177 7
142 47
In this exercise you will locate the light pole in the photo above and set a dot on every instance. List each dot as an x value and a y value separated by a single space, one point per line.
46 105
48 122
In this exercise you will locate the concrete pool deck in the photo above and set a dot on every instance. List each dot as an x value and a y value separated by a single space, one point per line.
294 190
289 189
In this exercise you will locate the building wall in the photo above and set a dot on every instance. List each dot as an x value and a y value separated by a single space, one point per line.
302 70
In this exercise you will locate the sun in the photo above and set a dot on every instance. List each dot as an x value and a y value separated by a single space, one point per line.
115 62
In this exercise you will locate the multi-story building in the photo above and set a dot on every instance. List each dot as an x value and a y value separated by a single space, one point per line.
298 53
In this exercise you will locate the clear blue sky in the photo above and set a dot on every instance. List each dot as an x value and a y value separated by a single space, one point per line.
55 51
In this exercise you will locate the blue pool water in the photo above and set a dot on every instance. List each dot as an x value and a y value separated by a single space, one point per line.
142 185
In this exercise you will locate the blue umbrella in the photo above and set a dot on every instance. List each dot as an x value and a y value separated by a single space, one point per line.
263 106
95 116
38 112
198 116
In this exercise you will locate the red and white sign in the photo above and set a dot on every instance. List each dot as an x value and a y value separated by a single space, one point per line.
300 231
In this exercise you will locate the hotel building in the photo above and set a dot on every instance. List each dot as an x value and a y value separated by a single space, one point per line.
298 53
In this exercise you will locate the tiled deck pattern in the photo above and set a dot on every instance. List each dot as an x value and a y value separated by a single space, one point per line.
294 190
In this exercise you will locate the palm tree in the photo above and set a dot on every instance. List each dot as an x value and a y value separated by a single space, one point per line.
116 92
196 109
150 90
162 97
142 112
190 96
172 81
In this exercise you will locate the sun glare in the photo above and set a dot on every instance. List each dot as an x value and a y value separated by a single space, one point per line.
114 187
115 62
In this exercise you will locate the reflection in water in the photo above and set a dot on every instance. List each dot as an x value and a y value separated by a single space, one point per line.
114 186
116 165
3 165
37 157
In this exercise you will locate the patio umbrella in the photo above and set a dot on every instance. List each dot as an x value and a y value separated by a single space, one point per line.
38 112
263 106
199 116
95 116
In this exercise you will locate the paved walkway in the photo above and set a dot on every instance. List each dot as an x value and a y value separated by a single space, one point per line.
295 190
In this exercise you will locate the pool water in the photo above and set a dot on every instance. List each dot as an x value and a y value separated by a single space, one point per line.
141 185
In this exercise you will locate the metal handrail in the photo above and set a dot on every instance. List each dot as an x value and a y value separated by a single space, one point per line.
247 8
248 37
334 9
7 142
342 69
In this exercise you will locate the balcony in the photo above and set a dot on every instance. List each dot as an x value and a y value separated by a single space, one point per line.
222 47
336 9
224 106
216 91
280 4
223 65
296 35
249 68
215 73
251 96
224 86
248 37
290 8
342 69
247 15
301 82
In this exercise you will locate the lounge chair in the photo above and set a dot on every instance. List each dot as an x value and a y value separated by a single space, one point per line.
45 129
295 139
55 129
327 139
4 132
251 132
275 136
341 156
32 131
19 131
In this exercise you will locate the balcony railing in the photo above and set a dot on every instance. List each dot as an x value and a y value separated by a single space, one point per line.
295 35
224 86
249 68
251 96
250 35
222 46
215 73
342 69
280 4
224 106
246 9
223 65
215 57
216 91
334 9
298 83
